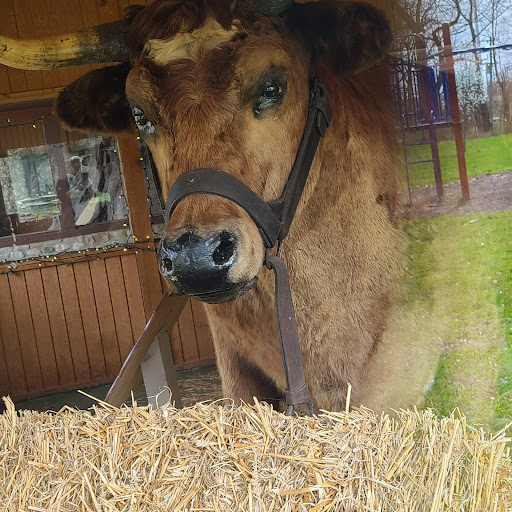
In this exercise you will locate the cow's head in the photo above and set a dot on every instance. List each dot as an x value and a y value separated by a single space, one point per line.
218 84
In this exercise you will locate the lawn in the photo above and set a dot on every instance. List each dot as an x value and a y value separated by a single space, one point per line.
483 155
460 269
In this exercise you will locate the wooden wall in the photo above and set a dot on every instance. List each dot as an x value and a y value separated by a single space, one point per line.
69 326
12 137
72 325
22 132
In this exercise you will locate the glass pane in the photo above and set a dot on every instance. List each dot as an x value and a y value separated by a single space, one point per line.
28 190
94 180
153 188
44 184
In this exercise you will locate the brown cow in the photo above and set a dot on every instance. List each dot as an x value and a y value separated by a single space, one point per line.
219 84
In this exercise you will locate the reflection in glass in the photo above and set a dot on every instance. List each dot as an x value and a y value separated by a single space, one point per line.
29 181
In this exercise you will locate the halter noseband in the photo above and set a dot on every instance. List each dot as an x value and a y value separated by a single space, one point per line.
273 220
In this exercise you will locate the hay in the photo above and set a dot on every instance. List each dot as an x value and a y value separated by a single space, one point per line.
223 458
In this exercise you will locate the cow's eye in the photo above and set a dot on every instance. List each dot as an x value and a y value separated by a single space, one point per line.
142 121
271 94
272 90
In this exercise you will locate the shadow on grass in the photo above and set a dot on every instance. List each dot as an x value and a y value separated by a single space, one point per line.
461 268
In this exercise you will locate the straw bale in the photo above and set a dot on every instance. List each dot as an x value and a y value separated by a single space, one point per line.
218 457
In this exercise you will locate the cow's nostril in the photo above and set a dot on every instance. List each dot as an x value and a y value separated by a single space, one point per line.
200 266
166 264
164 257
225 250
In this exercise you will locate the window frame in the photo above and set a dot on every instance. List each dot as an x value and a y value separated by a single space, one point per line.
25 113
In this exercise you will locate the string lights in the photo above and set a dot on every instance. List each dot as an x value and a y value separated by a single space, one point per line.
27 123
71 256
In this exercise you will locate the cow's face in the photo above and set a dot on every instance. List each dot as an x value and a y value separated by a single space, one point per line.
222 87
233 100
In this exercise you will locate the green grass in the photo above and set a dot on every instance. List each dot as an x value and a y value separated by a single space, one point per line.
483 155
460 268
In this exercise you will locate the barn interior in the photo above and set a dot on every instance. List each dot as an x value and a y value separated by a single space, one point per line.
84 273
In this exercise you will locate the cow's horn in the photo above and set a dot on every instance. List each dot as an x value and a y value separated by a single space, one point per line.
271 8
104 43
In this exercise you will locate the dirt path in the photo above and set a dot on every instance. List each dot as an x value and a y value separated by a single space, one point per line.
489 193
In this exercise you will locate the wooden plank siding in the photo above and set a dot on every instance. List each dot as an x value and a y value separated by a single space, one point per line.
14 137
28 19
25 330
70 326
60 334
15 374
16 77
43 331
90 321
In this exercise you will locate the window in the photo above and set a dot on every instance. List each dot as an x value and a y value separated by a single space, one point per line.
62 191
56 184
31 179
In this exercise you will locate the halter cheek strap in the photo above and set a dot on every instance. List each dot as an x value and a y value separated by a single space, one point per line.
273 219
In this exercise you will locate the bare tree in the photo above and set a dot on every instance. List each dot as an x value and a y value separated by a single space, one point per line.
504 99
426 17
473 23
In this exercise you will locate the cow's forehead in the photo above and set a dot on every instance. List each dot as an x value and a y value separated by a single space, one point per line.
243 55
185 44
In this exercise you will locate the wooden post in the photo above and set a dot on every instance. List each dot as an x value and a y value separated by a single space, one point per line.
457 124
140 220
154 348
158 367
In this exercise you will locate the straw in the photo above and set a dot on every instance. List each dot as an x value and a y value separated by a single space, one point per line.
218 457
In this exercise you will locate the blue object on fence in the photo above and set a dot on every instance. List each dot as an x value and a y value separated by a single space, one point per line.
446 94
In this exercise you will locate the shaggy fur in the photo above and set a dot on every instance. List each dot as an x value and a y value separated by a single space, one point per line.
343 250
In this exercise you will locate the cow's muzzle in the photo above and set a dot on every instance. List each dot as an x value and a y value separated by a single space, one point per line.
199 266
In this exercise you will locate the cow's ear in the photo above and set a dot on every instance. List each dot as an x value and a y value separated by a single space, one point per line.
349 36
96 102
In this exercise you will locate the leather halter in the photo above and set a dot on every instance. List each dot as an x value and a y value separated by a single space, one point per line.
273 220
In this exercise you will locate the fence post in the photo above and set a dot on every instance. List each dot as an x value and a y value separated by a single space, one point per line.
457 125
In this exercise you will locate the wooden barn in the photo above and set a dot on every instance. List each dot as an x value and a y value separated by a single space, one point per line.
78 269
